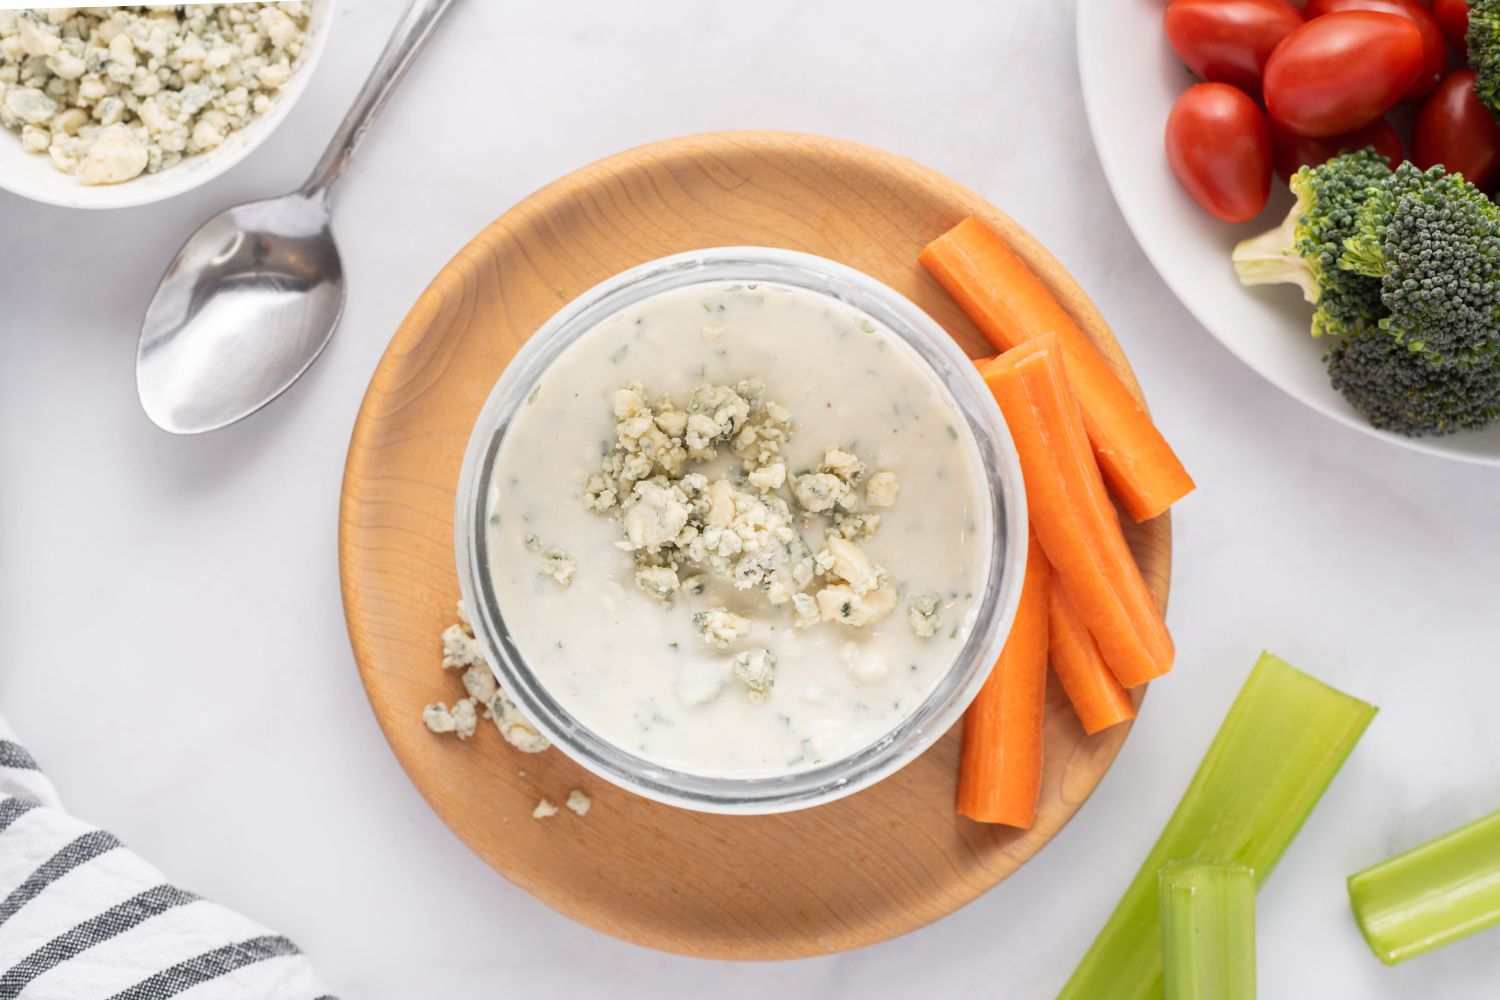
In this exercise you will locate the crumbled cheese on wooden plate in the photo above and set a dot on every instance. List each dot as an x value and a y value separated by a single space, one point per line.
461 652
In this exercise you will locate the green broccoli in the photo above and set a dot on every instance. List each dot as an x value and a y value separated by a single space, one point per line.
1400 390
1306 248
1433 241
1484 51
1404 268
1432 365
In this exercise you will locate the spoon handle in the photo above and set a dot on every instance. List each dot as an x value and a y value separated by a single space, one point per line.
411 34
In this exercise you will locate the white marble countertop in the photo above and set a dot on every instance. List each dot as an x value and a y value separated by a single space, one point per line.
171 640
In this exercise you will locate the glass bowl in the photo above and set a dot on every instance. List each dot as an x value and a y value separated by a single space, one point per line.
1004 497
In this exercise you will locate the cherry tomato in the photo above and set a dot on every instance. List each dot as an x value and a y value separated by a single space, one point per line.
1219 148
1339 72
1434 50
1291 151
1454 128
1453 17
1229 40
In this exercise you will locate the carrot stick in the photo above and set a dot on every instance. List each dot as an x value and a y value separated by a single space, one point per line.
1000 770
1011 305
1074 520
1096 695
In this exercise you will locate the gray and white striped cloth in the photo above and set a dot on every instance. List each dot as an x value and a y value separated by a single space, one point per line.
83 918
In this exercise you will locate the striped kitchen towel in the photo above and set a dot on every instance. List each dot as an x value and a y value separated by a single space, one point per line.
83 918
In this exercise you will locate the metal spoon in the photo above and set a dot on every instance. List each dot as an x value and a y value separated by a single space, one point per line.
254 296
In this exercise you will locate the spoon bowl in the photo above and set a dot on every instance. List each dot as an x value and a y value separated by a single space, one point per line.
252 298
248 303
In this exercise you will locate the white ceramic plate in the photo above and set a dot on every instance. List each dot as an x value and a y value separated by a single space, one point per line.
1130 79
32 175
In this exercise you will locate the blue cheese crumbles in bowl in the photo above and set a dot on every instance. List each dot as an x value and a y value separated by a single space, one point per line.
112 106
740 530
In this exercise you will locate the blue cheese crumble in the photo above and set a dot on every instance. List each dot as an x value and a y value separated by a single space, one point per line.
484 695
882 489
555 562
923 613
833 486
721 627
460 720
577 802
659 581
756 669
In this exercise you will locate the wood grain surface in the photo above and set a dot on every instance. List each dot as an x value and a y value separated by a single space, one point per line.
866 868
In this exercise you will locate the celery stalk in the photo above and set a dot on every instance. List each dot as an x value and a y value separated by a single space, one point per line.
1208 931
1432 895
1283 741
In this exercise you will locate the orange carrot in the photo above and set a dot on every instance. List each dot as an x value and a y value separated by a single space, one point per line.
1074 520
1096 695
1000 770
1011 305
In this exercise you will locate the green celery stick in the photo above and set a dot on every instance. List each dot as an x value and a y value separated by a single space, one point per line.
1208 931
1432 895
1284 739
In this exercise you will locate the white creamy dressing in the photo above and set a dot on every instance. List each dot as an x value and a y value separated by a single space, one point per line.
624 664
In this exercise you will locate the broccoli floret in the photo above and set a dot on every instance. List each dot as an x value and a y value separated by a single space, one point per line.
1433 241
1431 365
1306 248
1484 51
1404 268
1400 390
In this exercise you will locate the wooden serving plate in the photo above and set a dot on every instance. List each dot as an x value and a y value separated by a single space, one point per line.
866 868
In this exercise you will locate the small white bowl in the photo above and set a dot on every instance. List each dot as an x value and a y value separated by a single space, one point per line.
32 175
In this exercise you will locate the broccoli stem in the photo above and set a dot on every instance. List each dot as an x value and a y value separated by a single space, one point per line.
1272 259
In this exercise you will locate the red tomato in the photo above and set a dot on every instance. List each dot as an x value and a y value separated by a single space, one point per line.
1219 148
1434 51
1453 17
1291 151
1229 40
1454 128
1339 72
